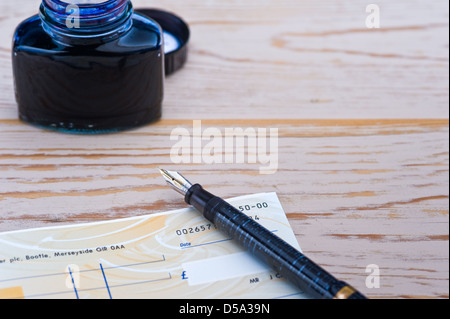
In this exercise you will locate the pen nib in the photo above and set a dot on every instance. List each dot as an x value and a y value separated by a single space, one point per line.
176 181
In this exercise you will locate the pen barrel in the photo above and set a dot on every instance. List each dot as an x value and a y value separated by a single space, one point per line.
263 244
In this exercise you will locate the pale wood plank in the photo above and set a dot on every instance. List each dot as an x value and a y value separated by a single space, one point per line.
362 118
308 59
355 194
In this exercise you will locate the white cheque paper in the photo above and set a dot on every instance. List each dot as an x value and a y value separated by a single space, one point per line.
177 254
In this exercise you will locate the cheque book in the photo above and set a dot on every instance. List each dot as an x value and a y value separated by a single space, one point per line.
171 255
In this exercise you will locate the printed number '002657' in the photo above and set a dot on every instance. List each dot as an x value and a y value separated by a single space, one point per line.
194 230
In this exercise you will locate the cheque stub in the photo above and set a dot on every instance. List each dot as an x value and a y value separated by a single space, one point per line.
176 255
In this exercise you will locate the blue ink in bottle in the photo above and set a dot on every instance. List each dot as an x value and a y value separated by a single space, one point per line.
88 66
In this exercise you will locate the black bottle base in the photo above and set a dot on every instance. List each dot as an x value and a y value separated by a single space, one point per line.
92 126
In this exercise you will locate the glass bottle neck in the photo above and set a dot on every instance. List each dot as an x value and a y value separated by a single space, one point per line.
85 21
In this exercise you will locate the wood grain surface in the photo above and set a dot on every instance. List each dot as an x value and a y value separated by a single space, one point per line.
363 125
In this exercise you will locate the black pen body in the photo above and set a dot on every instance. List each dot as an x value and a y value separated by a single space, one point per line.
271 249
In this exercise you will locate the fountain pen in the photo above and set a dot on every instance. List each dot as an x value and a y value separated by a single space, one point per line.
262 243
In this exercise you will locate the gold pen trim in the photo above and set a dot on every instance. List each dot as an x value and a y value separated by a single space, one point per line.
345 293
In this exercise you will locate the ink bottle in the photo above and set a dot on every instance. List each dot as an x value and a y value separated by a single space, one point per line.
88 66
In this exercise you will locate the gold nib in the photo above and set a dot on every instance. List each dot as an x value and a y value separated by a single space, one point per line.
176 181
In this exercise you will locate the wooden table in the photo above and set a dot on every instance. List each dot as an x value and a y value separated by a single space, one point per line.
362 116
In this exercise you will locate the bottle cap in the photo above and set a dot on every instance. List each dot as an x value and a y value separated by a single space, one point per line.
176 37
